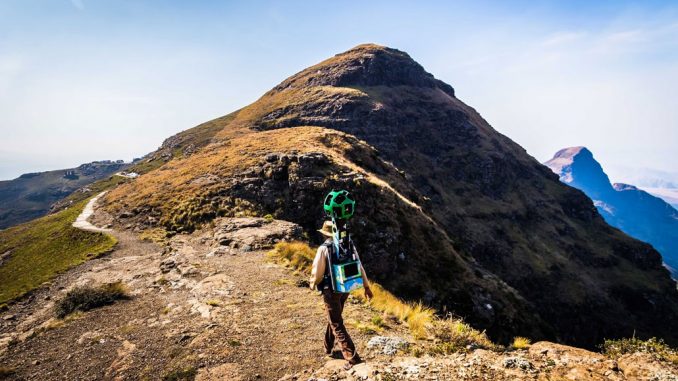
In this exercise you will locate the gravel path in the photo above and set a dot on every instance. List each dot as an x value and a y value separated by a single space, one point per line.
82 222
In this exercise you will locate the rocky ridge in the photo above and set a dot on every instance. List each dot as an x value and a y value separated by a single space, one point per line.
450 211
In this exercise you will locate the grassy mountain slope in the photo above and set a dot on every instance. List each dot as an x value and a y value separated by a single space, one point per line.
449 210
34 252
180 145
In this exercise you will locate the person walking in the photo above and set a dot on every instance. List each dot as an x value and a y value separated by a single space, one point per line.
334 301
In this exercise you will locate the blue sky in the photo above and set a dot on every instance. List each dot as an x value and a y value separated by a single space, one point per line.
83 80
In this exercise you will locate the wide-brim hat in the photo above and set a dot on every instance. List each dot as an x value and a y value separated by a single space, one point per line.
326 230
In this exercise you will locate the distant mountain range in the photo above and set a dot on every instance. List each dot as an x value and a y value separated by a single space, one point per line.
30 195
634 211
669 195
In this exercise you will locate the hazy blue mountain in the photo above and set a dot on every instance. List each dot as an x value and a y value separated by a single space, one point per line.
669 195
634 211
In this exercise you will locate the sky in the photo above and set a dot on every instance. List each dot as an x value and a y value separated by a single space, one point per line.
84 80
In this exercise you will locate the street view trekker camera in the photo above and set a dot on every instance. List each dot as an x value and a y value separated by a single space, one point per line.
344 264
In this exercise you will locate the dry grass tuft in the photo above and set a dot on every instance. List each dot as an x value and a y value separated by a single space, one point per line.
416 315
295 254
521 343
213 302
453 335
366 328
86 298
157 235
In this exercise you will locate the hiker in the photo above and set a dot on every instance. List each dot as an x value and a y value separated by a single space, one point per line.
334 301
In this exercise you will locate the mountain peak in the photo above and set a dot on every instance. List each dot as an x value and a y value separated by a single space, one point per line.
571 152
564 158
624 187
366 65
577 166
434 181
625 206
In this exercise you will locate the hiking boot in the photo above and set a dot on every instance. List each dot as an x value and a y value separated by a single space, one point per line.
334 355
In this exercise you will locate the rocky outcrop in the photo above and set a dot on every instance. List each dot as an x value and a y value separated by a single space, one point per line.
256 233
542 361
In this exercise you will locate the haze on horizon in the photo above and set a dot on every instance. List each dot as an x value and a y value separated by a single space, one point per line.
90 80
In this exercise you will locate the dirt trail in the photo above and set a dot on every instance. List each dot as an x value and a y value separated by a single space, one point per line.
221 311
82 221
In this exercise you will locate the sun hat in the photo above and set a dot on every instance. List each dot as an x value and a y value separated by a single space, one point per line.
326 230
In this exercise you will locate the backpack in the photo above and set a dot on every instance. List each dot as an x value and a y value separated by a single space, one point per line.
343 271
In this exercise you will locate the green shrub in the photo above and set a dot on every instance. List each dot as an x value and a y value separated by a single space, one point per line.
653 346
378 321
86 298
450 336
268 218
187 373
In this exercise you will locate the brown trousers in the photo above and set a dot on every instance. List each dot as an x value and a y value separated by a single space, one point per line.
334 306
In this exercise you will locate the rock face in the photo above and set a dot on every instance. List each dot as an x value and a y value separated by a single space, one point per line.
624 206
250 234
449 211
30 195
